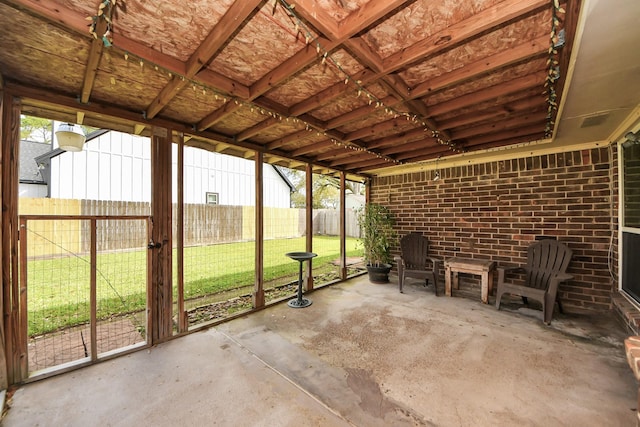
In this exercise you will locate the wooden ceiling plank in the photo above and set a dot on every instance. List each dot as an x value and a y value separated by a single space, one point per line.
511 56
254 130
486 20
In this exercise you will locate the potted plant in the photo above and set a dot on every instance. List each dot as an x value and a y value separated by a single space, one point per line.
377 236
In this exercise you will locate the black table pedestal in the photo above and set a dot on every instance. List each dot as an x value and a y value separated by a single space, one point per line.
301 257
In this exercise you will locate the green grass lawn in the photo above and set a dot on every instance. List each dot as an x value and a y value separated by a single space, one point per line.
59 289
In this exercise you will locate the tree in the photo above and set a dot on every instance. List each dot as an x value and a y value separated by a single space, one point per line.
36 129
326 189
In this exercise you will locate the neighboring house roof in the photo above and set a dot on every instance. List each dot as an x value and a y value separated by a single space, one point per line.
284 178
29 172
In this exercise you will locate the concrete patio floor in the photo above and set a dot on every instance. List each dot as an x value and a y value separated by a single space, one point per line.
361 355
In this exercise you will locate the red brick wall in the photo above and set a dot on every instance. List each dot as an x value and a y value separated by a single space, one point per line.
495 210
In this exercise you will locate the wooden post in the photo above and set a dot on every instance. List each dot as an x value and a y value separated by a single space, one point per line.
160 321
94 289
15 344
183 323
258 290
309 225
343 227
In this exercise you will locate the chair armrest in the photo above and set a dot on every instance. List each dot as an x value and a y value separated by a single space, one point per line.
563 277
502 272
434 261
397 259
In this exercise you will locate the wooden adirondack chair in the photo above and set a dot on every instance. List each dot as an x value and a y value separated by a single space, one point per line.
415 261
547 262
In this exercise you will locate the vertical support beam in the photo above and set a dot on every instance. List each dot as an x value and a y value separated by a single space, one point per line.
343 226
15 344
258 290
309 225
367 191
161 310
3 337
94 289
183 323
23 237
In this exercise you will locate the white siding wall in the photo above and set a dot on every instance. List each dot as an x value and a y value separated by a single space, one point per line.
116 166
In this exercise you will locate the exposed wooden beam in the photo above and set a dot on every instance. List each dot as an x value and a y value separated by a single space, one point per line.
138 128
263 125
418 133
217 115
44 96
500 60
504 88
527 102
415 145
366 15
296 136
353 158
312 147
372 131
376 161
95 55
489 19
514 122
315 15
234 18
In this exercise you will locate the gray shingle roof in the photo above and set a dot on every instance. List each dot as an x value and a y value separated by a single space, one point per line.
28 169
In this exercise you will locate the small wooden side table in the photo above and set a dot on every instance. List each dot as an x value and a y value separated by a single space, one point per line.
484 268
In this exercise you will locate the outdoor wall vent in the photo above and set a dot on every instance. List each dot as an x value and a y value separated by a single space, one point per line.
596 120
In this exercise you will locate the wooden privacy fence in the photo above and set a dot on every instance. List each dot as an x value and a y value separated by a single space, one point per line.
203 224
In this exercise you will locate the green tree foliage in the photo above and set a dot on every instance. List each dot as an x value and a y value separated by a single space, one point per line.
326 189
36 129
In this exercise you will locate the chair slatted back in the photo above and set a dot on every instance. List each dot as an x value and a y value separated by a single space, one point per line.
545 259
415 250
